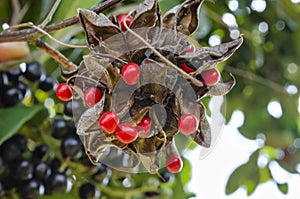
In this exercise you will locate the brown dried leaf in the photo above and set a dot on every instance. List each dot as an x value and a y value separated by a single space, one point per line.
222 88
145 15
183 18
203 134
98 28
98 67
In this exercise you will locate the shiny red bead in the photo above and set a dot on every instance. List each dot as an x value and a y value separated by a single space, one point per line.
63 92
124 18
144 127
211 77
126 133
92 96
188 124
131 73
174 164
109 122
184 66
191 49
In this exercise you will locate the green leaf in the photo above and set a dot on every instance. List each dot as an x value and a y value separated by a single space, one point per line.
178 189
11 119
283 187
264 174
246 175
68 9
185 174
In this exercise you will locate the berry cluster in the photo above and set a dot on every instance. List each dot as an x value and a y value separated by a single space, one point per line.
28 171
18 82
145 60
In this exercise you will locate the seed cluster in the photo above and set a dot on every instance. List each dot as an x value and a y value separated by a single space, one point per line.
143 83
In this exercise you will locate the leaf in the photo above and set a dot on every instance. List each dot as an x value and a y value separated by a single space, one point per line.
99 28
246 174
183 18
145 15
178 191
67 9
14 117
185 174
98 67
203 134
222 88
264 174
283 187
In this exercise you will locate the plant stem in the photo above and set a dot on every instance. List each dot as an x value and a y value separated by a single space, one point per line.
56 55
29 34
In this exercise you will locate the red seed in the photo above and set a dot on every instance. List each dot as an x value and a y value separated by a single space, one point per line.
131 73
92 96
144 127
126 133
63 92
124 18
109 122
211 77
174 164
188 124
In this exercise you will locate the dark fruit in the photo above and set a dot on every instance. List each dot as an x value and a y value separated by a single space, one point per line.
39 152
56 183
88 191
71 147
11 96
166 176
33 71
47 84
61 129
70 106
23 170
30 189
13 74
41 171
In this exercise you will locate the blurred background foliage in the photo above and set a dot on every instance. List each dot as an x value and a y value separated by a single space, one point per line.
266 68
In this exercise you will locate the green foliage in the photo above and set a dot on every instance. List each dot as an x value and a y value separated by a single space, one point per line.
14 118
246 175
264 66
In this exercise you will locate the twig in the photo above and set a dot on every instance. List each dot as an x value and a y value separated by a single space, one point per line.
253 77
56 55
16 10
30 24
50 14
168 62
29 34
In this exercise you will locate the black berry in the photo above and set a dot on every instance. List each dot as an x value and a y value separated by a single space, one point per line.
61 129
56 183
88 191
33 71
71 147
47 83
11 96
13 74
41 171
